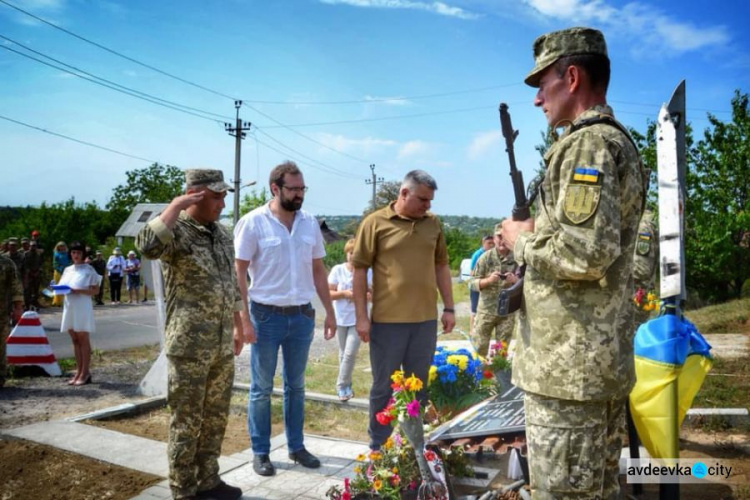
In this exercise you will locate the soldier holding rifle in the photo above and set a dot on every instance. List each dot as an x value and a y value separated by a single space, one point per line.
574 357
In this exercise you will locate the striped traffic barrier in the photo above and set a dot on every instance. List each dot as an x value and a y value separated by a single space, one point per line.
28 345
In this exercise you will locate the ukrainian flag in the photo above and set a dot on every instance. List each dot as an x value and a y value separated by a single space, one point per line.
585 174
671 362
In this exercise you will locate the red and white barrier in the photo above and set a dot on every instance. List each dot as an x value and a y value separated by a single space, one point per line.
28 345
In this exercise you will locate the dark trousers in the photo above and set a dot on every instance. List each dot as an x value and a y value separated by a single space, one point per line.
101 292
394 346
115 285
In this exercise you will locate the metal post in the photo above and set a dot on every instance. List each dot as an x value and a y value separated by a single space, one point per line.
237 152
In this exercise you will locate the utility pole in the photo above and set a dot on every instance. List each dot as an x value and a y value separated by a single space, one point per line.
238 132
374 181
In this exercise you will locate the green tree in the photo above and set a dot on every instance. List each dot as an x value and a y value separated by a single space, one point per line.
154 184
251 201
719 204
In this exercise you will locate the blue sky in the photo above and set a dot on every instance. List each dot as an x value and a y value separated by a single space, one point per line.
335 85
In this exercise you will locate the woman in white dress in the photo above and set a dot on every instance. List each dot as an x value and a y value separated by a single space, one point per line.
78 312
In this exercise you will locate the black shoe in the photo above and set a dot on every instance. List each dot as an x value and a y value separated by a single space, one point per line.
305 459
221 491
262 465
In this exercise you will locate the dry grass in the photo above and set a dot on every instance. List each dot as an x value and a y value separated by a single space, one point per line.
729 317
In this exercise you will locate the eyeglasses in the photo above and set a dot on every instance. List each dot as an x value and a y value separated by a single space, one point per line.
299 189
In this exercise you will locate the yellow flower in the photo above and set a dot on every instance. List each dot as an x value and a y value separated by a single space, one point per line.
377 484
357 469
651 297
361 457
413 383
433 374
375 455
395 470
398 377
388 444
458 360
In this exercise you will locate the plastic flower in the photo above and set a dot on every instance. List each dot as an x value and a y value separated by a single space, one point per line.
432 375
375 455
458 360
413 384
388 443
398 377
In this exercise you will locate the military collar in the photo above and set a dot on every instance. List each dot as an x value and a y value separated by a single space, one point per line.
185 217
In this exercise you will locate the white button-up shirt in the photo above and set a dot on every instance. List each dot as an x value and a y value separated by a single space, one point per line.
280 260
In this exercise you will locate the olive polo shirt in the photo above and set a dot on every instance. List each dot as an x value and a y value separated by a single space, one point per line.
403 254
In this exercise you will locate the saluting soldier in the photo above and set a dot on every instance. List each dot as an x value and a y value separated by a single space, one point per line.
574 352
495 270
202 329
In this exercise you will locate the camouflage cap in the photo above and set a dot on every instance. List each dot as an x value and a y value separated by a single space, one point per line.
24 240
212 179
13 241
498 228
550 47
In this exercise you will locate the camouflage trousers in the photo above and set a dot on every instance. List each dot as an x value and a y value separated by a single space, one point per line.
484 326
4 332
199 392
574 447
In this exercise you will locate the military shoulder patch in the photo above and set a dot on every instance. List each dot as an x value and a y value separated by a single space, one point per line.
587 175
643 245
581 201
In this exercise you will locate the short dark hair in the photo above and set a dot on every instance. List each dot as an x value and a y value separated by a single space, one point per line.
279 171
596 67
77 245
487 237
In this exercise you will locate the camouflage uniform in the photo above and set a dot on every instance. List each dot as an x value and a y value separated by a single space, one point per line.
11 291
487 319
644 262
201 297
574 351
32 277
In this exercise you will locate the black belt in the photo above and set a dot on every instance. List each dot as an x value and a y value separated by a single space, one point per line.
283 310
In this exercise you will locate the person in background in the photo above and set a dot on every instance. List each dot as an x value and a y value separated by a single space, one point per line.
340 284
78 312
487 243
115 269
133 272
101 269
60 260
11 306
494 271
32 278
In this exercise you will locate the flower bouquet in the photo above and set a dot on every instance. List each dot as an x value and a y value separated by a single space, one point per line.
646 301
457 380
390 473
499 364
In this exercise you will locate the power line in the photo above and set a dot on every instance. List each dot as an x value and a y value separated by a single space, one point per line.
110 84
391 99
85 143
305 136
312 162
118 54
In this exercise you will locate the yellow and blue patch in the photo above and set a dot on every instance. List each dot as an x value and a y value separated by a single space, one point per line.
583 174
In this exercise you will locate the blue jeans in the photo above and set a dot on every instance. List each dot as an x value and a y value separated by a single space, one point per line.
293 333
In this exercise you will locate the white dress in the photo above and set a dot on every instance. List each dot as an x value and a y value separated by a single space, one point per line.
78 312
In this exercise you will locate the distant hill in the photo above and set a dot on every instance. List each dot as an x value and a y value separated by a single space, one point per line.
345 224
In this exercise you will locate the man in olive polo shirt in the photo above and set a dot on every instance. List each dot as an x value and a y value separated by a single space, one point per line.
405 247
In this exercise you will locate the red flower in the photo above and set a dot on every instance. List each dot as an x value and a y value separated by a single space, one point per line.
487 374
429 455
384 417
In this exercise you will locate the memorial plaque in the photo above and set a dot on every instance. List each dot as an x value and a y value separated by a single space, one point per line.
501 414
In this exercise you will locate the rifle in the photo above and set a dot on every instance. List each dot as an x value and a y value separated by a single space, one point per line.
510 298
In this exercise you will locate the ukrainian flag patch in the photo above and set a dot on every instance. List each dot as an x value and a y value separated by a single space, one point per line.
583 174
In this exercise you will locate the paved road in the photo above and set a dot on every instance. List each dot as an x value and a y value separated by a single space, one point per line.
117 327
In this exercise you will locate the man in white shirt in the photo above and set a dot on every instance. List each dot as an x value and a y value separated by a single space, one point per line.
282 247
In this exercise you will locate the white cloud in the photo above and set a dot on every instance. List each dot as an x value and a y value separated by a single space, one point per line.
640 21
482 143
390 101
411 149
439 8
